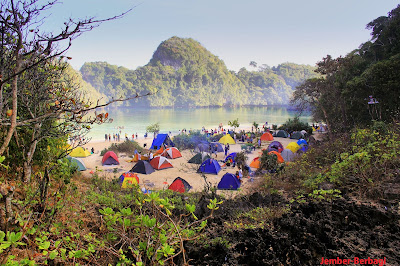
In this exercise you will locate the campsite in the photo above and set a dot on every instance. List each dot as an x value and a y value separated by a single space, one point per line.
183 133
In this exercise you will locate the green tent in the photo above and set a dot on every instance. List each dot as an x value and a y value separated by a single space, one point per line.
199 158
78 162
281 134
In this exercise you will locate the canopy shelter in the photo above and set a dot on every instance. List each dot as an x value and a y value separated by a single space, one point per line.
77 162
142 167
227 139
293 146
209 166
278 155
275 146
302 142
79 152
255 163
229 182
180 185
110 158
172 153
297 135
267 137
281 134
128 180
216 146
160 163
287 155
160 141
232 155
199 158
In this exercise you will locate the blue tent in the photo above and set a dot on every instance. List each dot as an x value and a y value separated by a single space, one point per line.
301 142
202 147
229 181
209 166
218 146
232 155
160 141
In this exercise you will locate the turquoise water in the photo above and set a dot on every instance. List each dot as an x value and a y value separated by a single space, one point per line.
135 120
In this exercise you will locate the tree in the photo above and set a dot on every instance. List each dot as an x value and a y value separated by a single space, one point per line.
234 124
253 64
154 128
24 46
255 125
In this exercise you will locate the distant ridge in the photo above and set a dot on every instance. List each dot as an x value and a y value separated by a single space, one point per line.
182 73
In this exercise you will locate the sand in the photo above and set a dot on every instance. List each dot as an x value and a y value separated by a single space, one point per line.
161 179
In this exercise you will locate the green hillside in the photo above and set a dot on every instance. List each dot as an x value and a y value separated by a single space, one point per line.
183 73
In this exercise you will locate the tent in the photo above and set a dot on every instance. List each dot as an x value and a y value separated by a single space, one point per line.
202 147
209 166
293 146
172 153
232 155
227 139
229 181
287 155
281 134
162 139
78 162
160 163
302 142
278 155
180 185
110 158
218 146
199 158
275 146
267 137
79 152
142 167
128 180
255 163
297 135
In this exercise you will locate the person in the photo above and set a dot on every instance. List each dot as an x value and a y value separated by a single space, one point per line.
151 155
136 135
133 136
240 174
106 137
228 147
109 137
139 157
226 150
259 142
126 136
92 150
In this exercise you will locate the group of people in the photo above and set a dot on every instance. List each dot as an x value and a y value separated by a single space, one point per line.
117 136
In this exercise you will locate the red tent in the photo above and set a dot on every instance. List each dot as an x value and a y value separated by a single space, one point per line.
160 162
267 137
172 153
180 185
110 158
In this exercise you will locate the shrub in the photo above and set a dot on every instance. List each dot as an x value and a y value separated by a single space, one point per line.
127 147
189 141
296 125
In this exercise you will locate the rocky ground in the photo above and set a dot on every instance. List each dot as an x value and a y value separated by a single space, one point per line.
344 228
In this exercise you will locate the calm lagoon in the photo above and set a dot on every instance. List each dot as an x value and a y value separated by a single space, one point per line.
135 120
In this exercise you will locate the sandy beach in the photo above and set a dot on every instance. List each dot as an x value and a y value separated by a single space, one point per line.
161 179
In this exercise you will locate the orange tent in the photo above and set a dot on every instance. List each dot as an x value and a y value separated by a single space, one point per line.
267 137
159 151
280 159
172 153
255 163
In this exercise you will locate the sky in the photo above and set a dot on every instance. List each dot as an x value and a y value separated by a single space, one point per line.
265 31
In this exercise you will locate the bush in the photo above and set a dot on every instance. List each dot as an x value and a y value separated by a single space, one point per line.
190 141
296 125
127 147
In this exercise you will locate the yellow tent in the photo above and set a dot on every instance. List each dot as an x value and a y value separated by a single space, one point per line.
227 139
79 152
293 146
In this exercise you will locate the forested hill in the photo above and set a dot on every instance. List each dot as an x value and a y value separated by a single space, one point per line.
184 73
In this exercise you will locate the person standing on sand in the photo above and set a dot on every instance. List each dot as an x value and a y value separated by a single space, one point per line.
109 137
226 150
105 137
136 135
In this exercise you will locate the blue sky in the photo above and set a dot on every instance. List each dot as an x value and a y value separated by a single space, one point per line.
266 31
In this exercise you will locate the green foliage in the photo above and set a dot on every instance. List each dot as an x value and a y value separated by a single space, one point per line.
296 125
260 217
325 195
234 123
269 162
154 128
127 147
189 141
182 73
